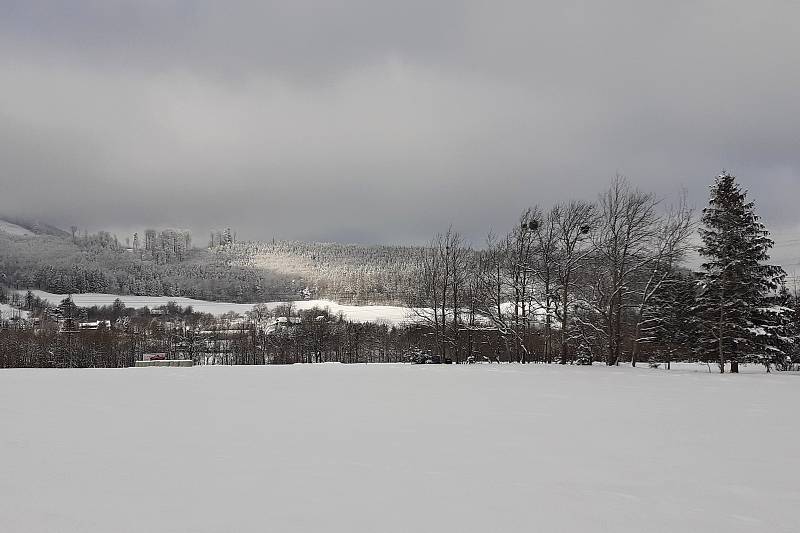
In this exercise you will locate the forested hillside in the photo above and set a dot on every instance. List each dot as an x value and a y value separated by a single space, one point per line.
164 263
98 263
342 272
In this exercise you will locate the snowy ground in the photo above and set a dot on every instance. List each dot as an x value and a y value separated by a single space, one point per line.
7 311
386 314
391 448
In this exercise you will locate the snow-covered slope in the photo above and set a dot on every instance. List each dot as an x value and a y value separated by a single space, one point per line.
366 448
358 313
13 229
7 311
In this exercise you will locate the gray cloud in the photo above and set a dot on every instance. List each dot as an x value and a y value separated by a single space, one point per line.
386 121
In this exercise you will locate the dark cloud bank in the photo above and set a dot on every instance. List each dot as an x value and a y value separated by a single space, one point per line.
376 121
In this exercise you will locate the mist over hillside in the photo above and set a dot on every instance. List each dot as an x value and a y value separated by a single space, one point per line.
29 224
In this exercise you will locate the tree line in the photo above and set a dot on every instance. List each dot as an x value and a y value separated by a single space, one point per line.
581 282
53 337
607 281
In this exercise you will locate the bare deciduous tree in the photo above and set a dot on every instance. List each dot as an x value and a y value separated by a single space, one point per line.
572 223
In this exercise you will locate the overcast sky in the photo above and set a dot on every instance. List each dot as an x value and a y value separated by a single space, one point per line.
369 121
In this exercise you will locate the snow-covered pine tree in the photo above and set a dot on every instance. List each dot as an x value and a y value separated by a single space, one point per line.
735 279
668 325
776 326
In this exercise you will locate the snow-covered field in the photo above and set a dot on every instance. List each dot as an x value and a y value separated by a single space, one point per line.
7 311
391 448
357 313
381 314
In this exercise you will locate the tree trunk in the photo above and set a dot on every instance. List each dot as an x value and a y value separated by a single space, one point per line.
720 341
565 316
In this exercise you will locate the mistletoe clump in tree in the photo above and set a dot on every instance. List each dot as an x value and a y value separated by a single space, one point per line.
736 282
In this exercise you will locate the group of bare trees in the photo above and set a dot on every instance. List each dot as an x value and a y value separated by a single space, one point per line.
570 283
262 336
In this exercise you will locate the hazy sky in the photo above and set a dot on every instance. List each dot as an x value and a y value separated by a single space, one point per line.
361 120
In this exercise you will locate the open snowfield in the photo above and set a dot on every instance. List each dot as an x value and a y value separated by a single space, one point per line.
377 448
385 314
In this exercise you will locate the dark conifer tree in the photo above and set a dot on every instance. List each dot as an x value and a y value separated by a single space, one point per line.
776 327
735 279
670 325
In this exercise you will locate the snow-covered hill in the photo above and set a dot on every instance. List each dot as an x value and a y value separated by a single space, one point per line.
30 226
14 229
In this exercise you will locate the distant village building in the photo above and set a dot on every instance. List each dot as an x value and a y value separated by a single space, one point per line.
93 326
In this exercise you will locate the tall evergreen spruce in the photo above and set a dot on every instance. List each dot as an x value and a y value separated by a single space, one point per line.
736 282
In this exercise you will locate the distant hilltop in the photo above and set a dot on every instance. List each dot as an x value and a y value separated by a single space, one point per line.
29 226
